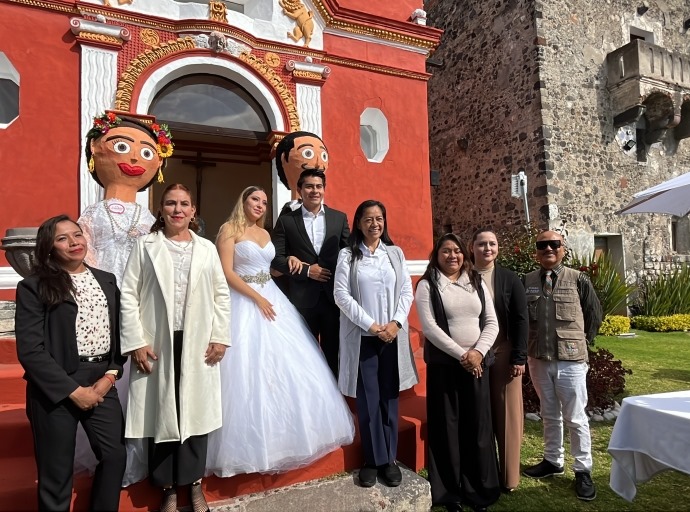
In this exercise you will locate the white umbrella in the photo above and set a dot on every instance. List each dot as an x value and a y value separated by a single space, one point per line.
671 197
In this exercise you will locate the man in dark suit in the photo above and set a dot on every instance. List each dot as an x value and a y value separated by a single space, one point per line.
313 233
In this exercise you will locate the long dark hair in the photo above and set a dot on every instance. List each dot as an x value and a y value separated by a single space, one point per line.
357 237
54 283
433 270
159 225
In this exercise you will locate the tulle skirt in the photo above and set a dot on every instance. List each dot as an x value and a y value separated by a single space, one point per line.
281 406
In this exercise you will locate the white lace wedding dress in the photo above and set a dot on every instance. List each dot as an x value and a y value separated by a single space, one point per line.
281 406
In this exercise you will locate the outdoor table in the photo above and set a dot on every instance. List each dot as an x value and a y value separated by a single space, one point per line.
651 434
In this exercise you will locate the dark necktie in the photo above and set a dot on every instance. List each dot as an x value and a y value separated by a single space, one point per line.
548 284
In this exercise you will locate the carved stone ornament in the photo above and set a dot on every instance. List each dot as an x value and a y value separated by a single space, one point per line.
217 11
220 43
149 37
108 3
418 17
272 59
303 17
99 32
308 70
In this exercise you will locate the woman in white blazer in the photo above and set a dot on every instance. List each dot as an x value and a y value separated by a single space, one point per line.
374 293
175 325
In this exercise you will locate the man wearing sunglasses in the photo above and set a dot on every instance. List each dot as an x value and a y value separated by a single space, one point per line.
564 316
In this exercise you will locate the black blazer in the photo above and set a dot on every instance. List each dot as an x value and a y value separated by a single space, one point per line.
511 310
47 337
290 238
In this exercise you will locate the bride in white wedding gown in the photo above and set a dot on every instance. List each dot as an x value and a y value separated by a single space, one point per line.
281 406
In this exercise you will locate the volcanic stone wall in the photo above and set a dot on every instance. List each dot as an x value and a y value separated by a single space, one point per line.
523 86
484 112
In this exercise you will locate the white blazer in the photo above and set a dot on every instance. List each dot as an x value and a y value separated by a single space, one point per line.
147 311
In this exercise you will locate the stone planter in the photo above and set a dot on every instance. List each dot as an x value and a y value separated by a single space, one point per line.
19 245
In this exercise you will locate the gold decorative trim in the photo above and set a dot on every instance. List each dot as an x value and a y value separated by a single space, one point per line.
53 6
376 68
361 29
217 11
100 38
149 37
278 85
125 86
311 75
272 59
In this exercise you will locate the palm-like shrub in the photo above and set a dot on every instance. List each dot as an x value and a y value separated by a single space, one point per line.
612 289
664 295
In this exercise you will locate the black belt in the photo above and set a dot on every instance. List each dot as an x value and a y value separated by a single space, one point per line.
94 359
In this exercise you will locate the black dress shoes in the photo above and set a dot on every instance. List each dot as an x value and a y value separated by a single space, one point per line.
367 475
391 474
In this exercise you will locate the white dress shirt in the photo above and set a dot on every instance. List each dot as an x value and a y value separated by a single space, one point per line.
315 226
181 254
376 280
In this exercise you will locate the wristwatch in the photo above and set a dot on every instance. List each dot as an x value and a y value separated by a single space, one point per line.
398 324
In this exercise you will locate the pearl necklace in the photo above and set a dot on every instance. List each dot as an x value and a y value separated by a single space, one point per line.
132 232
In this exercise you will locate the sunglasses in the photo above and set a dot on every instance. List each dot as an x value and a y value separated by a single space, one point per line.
543 244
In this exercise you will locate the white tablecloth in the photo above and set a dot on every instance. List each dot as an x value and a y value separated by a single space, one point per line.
651 434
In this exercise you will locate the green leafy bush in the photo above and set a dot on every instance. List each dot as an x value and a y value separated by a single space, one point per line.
611 288
662 323
614 325
664 295
605 381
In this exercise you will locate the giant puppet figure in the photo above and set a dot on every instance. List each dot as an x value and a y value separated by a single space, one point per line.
296 152
124 156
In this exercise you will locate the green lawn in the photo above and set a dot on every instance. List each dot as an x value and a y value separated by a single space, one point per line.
660 362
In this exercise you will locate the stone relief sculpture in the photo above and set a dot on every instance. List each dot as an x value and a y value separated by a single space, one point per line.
304 20
119 2
217 11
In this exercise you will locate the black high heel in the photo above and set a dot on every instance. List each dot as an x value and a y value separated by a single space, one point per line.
197 498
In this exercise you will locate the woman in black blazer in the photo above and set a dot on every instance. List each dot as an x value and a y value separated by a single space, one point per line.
511 354
67 331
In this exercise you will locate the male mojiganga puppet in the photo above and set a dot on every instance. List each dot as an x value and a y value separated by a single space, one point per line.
297 152
125 156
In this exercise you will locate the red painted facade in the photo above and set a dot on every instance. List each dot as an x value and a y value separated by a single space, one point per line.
40 150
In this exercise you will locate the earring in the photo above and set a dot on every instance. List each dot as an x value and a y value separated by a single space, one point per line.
192 219
161 219
160 176
92 165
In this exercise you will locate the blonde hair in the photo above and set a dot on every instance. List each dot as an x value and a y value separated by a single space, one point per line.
236 223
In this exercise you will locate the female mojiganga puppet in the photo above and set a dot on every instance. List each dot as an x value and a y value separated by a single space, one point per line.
125 156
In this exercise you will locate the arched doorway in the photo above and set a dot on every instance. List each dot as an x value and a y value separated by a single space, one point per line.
220 134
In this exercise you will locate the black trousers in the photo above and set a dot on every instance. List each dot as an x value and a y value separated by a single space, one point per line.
462 454
378 389
324 323
175 463
54 428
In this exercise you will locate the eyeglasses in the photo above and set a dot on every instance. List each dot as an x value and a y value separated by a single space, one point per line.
543 244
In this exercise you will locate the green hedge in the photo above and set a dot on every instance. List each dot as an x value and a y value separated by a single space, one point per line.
662 323
614 325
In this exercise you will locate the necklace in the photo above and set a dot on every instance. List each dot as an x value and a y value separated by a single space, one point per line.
132 231
181 245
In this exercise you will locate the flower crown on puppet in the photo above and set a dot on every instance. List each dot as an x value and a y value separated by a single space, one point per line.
164 145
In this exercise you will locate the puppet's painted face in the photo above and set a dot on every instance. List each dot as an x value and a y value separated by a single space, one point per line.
125 157
308 153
